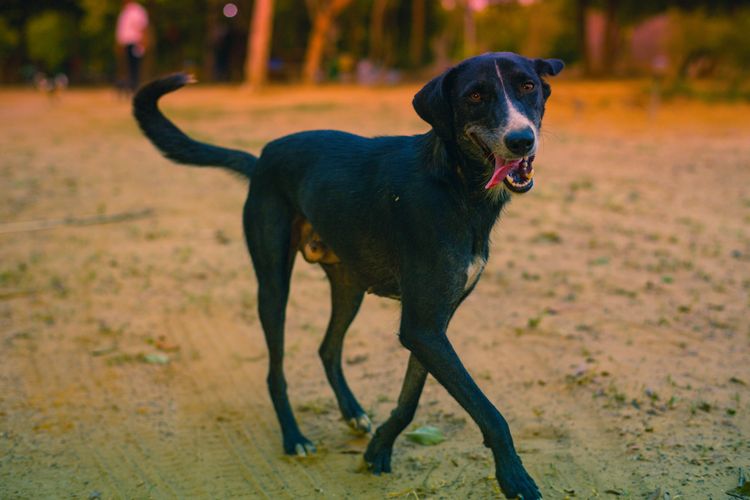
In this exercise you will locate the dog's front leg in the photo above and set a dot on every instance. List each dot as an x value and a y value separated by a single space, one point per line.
378 454
424 335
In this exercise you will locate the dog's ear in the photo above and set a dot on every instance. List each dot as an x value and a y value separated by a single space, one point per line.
432 104
548 67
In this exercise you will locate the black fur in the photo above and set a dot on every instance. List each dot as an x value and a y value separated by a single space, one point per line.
407 216
172 141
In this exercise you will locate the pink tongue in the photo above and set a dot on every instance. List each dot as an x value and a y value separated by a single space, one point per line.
501 171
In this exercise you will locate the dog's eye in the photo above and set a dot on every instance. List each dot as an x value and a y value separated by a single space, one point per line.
475 97
527 86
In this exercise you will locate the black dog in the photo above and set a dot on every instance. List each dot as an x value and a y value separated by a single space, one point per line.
401 217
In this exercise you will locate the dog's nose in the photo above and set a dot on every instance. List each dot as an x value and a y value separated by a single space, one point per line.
520 141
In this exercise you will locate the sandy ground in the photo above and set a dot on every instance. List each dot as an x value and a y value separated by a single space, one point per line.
611 325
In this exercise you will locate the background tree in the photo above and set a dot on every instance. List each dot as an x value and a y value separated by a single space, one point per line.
259 43
322 14
50 38
581 7
276 39
378 50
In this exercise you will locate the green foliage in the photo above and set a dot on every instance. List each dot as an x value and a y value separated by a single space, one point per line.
50 37
694 33
8 37
98 35
502 28
99 17
738 39
546 23
721 41
565 44
711 35
541 29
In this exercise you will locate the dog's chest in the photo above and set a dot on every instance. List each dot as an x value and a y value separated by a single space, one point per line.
473 271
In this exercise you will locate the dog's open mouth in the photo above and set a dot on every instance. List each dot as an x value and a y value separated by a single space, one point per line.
521 178
517 174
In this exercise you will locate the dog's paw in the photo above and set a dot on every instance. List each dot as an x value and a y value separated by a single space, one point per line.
379 463
299 446
378 457
515 482
361 424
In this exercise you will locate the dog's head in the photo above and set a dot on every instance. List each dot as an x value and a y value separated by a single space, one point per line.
491 108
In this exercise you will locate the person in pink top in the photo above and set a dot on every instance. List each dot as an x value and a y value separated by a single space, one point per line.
131 36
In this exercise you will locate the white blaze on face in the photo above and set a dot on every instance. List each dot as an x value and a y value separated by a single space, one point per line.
474 271
516 120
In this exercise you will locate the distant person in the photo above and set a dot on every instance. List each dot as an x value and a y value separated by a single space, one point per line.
131 36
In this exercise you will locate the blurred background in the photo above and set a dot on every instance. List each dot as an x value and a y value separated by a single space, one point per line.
610 326
379 41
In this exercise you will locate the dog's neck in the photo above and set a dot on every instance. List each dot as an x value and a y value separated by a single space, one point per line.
448 161
469 176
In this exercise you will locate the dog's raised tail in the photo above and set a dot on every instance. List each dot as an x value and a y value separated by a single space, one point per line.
171 141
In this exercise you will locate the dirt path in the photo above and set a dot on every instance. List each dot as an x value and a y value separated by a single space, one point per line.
610 325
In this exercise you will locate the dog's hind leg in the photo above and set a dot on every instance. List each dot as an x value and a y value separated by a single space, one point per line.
378 454
345 301
268 228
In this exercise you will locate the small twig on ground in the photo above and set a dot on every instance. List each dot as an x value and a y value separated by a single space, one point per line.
38 225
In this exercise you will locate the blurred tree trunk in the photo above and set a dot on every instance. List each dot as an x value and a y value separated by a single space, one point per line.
416 39
377 31
323 12
582 29
259 44
470 30
611 36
